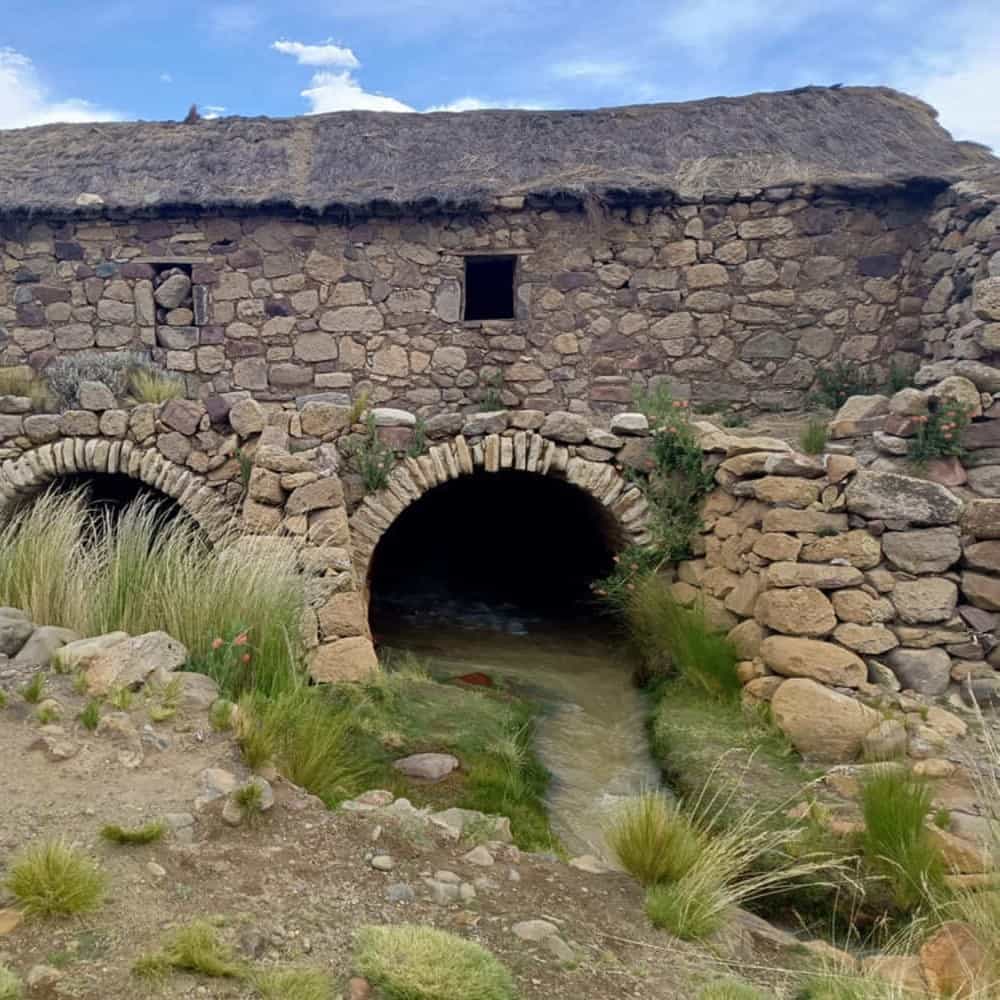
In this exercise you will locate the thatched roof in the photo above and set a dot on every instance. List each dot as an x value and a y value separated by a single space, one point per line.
358 162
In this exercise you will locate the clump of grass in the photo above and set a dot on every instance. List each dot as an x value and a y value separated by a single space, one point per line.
653 839
836 383
895 804
3 698
730 989
662 631
67 566
194 948
834 985
373 458
358 408
250 799
11 987
146 385
47 714
813 438
32 691
309 737
146 834
165 699
121 698
409 962
293 984
52 878
20 380
220 716
405 709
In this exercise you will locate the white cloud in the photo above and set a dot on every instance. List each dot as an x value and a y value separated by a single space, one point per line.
709 25
166 78
326 54
590 69
341 92
963 86
213 111
25 101
477 104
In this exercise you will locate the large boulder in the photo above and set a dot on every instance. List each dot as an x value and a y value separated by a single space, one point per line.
820 722
926 671
890 496
351 659
129 663
929 599
796 611
38 651
821 661
15 630
75 654
922 550
955 962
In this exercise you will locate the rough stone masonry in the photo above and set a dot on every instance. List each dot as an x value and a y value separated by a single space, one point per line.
282 268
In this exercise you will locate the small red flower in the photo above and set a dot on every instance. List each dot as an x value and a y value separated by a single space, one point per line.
217 643
240 640
245 658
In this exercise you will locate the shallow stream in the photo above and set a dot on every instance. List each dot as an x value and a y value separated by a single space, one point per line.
592 734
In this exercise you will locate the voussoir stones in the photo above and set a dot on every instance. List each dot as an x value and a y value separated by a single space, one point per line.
821 661
819 721
427 766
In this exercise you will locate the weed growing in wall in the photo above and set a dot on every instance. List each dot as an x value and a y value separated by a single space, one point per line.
939 432
117 371
836 384
374 459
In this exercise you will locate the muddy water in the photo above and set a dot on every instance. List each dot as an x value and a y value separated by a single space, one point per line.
592 734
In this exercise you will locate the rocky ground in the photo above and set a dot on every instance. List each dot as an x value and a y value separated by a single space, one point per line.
292 888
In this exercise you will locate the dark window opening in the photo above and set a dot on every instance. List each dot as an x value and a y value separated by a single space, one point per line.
489 287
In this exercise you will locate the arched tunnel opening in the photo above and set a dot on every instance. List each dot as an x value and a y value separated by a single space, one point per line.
483 549
108 495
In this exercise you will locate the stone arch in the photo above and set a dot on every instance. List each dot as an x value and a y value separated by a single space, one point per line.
523 451
32 471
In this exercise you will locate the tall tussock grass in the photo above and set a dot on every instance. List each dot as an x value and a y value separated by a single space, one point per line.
896 843
665 633
139 572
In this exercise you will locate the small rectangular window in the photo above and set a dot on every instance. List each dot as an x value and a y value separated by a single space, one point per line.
489 287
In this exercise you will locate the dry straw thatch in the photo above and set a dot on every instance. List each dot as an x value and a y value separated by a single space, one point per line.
357 163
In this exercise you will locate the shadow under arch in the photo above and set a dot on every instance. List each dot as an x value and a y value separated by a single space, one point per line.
34 471
510 542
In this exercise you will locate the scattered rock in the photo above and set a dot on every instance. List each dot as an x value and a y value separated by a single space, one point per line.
427 766
382 863
534 930
479 856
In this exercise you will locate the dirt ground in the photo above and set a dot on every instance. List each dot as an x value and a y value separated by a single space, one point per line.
292 889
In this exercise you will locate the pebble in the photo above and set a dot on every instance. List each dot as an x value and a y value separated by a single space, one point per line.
446 876
534 930
382 863
157 871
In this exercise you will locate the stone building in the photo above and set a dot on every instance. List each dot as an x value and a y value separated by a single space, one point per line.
541 263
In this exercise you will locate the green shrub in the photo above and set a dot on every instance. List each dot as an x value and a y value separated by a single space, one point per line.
373 459
409 962
220 716
52 878
836 383
895 804
309 737
146 834
194 948
653 840
11 987
812 440
900 377
113 369
939 432
664 632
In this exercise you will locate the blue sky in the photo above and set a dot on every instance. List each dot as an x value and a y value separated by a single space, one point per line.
113 59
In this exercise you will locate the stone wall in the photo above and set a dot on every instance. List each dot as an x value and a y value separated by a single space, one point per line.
854 596
733 302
